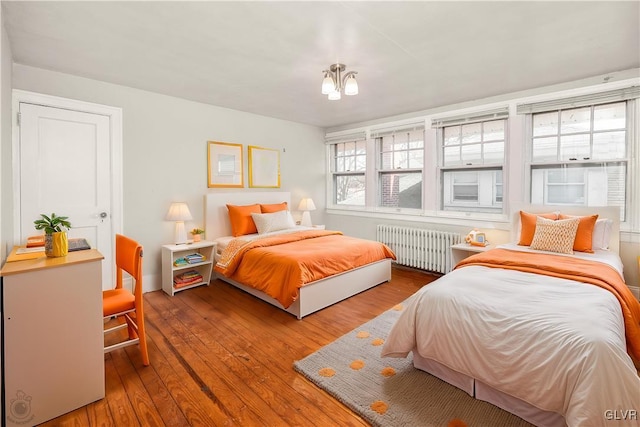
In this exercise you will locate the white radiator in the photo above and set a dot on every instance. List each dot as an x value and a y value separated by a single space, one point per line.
419 247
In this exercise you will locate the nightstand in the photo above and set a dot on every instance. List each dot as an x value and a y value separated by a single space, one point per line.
182 275
461 251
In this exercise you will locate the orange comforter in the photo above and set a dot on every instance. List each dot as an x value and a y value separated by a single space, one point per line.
577 269
281 264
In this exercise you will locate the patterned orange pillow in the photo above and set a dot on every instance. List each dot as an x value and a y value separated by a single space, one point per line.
528 225
584 235
241 221
555 236
276 207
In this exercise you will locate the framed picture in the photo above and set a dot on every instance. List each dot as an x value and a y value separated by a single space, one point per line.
224 164
264 167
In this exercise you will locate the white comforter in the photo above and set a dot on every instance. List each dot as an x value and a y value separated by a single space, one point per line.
554 343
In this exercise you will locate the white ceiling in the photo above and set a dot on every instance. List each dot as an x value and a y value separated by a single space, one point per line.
267 57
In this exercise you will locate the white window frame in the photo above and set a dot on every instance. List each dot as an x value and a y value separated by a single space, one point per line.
356 138
378 135
626 93
484 168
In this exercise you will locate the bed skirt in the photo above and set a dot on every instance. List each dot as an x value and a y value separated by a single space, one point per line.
486 393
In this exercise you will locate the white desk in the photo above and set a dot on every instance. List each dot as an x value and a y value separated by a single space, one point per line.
53 340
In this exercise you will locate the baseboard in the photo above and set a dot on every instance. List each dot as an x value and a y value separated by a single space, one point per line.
635 291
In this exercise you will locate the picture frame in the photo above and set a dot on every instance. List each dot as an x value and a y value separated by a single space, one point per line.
264 167
224 165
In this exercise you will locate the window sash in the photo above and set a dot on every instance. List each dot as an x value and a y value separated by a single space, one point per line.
472 189
349 189
556 138
400 189
480 143
581 184
349 156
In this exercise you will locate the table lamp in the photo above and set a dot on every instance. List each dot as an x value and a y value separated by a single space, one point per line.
179 212
305 206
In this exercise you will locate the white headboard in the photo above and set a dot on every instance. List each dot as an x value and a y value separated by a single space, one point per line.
217 216
612 213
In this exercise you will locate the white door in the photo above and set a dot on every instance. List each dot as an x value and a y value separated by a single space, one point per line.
65 168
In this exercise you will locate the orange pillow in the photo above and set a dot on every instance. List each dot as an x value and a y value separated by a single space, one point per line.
528 225
241 221
584 235
277 207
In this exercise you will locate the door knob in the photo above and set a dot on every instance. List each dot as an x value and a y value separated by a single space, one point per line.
103 214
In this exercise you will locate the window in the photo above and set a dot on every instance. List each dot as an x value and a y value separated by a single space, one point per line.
401 159
471 160
579 156
348 166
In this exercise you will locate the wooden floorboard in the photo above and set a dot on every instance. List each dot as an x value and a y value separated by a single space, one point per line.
221 357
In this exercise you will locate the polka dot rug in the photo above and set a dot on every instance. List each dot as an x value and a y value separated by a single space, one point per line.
390 392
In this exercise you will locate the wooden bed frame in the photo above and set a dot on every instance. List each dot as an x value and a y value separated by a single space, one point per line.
486 393
313 296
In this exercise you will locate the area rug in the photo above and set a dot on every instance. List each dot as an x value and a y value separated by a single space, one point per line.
390 392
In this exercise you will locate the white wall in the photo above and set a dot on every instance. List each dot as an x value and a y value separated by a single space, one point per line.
6 218
165 153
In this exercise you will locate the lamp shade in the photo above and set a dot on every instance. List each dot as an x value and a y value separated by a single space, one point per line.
306 205
179 211
351 86
328 85
335 96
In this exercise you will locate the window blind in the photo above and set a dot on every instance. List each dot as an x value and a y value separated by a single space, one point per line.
617 95
410 127
481 116
345 137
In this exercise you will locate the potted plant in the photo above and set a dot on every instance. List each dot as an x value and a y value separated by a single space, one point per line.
55 229
197 234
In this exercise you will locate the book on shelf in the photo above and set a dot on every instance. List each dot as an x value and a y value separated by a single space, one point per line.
180 262
187 278
195 258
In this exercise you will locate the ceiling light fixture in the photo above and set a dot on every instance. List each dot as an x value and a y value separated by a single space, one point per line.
334 81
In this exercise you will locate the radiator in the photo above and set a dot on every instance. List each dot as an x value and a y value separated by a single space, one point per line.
419 247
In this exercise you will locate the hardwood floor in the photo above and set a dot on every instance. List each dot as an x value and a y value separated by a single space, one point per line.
221 357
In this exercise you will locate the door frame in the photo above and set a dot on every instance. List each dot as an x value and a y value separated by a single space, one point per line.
115 143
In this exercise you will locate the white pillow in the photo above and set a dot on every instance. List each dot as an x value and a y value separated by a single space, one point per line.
601 234
275 221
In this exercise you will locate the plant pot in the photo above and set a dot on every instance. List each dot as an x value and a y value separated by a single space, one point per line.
196 237
56 244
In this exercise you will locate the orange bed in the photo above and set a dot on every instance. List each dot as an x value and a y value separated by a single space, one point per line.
281 265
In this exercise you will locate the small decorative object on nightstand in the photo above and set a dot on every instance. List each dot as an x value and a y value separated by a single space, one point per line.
187 266
461 251
197 234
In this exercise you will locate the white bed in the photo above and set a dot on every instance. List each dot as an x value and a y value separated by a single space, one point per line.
313 296
500 336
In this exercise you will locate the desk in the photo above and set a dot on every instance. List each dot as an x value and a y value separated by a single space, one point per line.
52 331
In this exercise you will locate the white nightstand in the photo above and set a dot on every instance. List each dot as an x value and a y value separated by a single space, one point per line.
461 251
170 253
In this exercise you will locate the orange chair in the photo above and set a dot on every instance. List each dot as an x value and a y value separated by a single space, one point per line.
120 302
